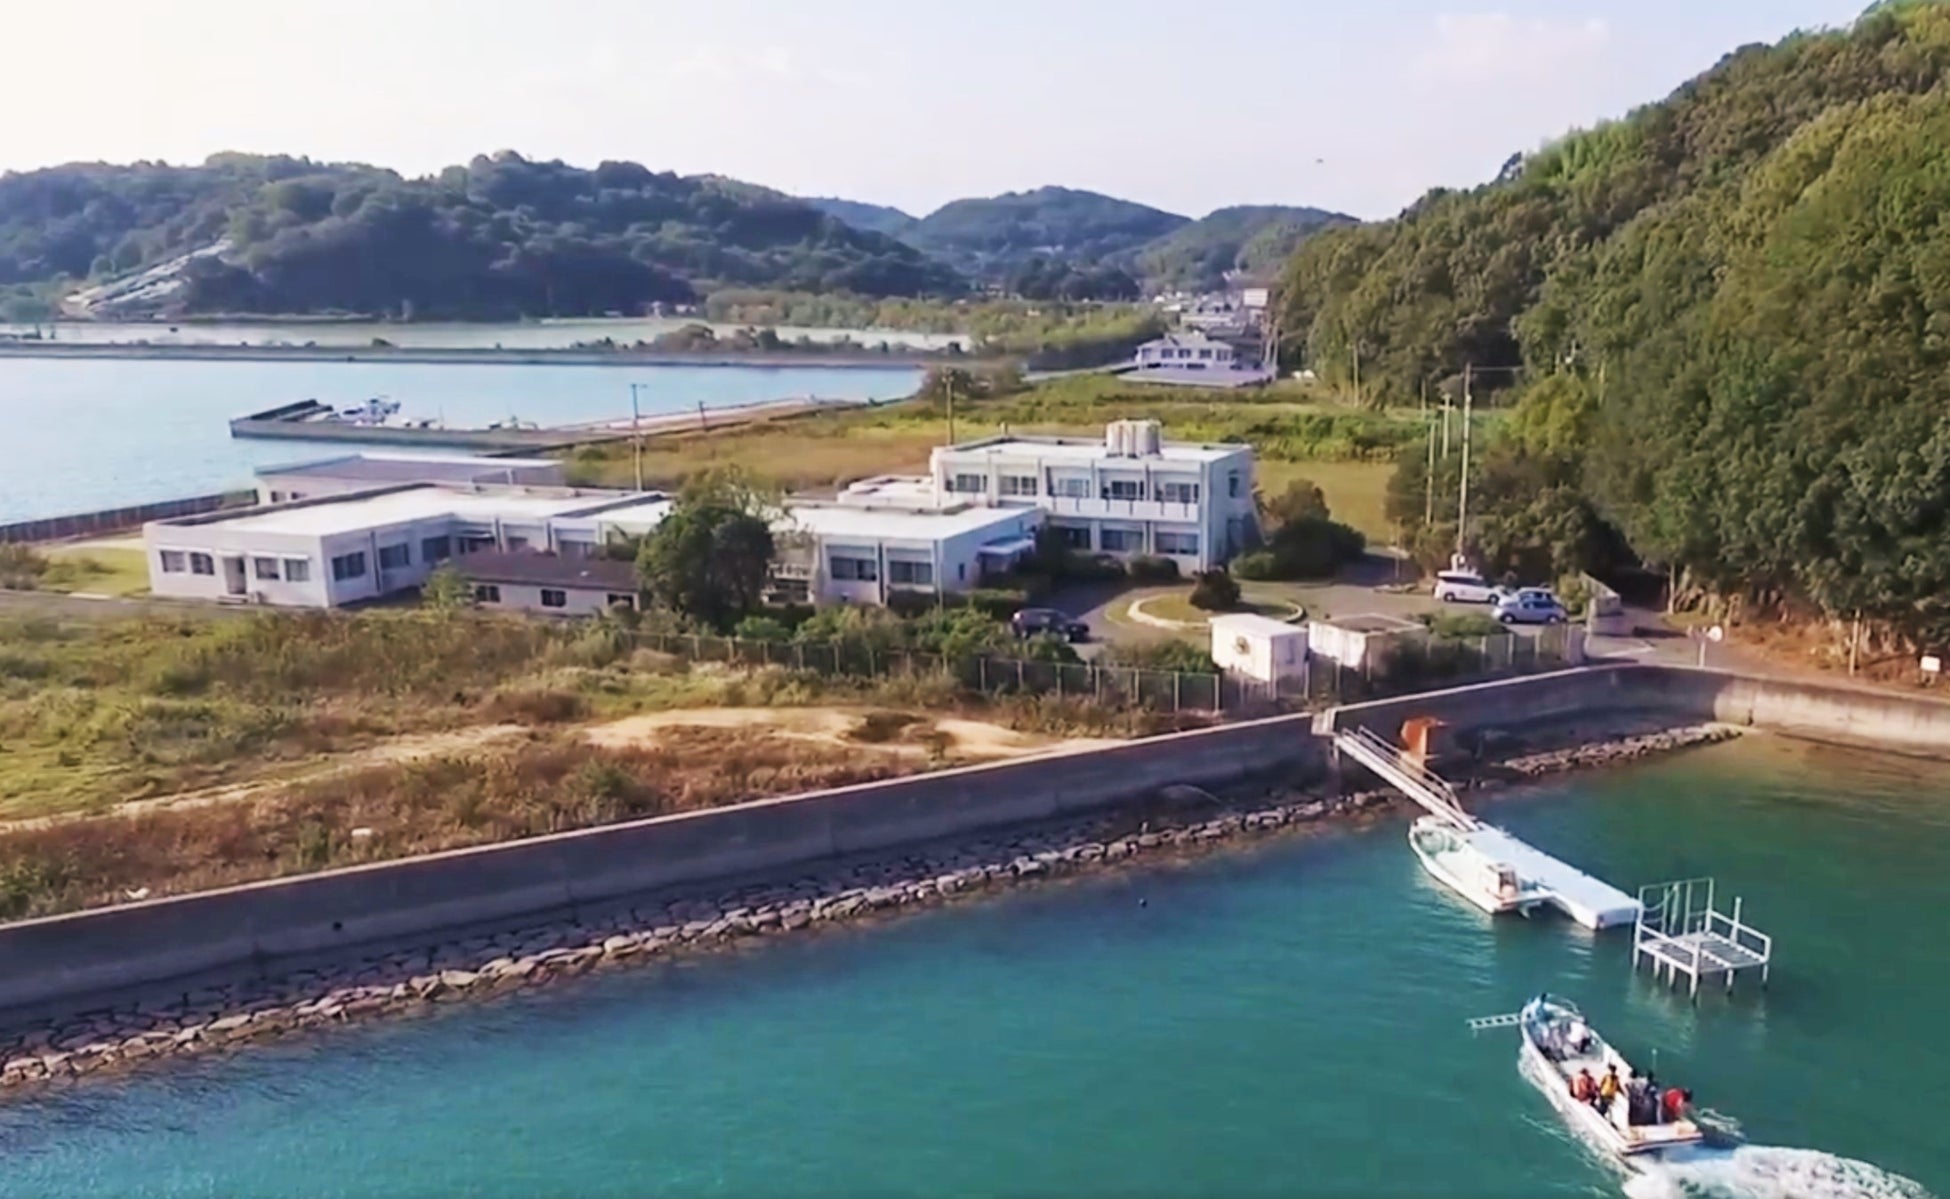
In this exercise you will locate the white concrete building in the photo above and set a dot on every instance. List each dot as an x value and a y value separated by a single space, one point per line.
1186 351
1130 494
368 469
337 550
343 549
862 554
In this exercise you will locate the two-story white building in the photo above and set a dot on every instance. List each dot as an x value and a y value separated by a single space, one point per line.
1191 359
1130 494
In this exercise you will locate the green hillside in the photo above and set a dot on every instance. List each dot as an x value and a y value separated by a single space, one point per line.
1730 312
1248 237
874 218
501 237
994 237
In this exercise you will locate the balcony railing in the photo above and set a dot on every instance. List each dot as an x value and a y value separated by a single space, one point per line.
1071 505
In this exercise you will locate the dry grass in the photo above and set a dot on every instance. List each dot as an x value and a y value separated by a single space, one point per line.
547 784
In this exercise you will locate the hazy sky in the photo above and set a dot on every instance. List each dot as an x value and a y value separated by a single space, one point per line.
1359 105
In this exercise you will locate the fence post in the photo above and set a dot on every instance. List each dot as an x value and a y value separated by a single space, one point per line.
697 647
982 673
1019 686
1177 690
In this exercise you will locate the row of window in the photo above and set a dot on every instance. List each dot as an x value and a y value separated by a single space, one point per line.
1169 492
1167 352
290 570
844 568
1129 541
552 597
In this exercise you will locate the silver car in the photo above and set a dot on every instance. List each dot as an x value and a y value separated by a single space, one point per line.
1531 605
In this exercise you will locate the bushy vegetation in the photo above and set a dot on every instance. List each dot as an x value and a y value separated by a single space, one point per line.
1254 238
990 237
1727 306
500 237
1302 539
1170 654
1215 591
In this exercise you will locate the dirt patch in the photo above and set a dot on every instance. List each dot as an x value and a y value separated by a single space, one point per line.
870 729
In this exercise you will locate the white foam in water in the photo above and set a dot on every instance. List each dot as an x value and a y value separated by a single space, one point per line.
1768 1172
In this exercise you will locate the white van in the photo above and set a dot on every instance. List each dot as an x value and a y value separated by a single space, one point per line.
1463 587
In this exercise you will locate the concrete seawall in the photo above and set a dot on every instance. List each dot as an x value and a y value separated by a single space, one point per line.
64 958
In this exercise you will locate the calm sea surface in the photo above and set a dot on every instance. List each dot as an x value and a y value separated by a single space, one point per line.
1287 1021
444 335
83 434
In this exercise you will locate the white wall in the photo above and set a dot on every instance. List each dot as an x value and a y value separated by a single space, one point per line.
220 543
527 597
1265 657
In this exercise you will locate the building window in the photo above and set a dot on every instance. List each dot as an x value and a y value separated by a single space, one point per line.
1177 543
174 562
1232 484
436 549
349 566
202 564
1207 354
1077 537
516 544
265 568
394 557
851 570
919 574
475 543
576 549
487 593
620 599
969 484
1016 485
1178 493
961 571
554 598
297 570
1074 489
277 497
1121 541
1124 489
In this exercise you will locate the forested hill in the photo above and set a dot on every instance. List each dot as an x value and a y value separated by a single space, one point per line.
1733 313
995 237
500 237
1254 238
875 218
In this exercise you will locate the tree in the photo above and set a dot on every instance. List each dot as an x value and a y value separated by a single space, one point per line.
1215 591
712 554
1301 500
446 590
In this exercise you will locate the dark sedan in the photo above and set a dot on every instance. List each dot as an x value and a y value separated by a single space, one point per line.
1031 621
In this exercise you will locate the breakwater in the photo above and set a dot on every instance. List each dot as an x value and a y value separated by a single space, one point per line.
120 520
398 980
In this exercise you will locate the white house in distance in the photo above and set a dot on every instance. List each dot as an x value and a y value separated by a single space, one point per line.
369 469
1191 359
1130 494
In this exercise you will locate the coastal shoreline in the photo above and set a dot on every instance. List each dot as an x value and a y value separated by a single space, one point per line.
855 359
1176 823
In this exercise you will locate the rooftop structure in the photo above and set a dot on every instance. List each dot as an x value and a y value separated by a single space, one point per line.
374 468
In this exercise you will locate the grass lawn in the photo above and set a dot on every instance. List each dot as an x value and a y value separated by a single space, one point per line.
97 570
1179 608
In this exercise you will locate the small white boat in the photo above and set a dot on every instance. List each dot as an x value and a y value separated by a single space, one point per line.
1456 860
1558 1044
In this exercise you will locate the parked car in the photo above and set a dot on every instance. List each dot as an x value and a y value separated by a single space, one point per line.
1531 605
1030 621
1463 587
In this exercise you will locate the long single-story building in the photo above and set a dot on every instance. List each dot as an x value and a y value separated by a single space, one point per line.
368 469
550 583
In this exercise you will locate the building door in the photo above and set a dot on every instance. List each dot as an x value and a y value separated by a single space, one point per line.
233 575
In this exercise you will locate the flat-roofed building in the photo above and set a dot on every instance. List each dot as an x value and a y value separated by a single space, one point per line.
549 584
368 469
1130 494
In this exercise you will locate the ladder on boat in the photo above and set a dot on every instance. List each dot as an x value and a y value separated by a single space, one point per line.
1505 1020
1405 774
1681 933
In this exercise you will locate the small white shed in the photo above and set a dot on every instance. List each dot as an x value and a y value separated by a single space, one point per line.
1360 642
1258 648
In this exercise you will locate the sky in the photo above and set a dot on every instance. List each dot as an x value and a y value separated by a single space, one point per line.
1356 105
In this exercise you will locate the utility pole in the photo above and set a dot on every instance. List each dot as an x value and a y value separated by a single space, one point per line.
1428 499
1462 501
636 436
948 384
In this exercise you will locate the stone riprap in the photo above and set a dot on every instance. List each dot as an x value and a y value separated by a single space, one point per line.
1180 822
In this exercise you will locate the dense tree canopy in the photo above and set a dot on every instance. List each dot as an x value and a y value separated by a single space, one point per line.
1249 237
991 237
500 237
1734 313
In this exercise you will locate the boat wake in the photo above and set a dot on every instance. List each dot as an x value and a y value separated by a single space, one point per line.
1767 1172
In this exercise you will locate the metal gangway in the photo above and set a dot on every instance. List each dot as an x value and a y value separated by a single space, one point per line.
1681 932
1405 774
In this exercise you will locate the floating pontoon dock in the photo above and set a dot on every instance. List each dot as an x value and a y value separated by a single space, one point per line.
1682 934
1589 901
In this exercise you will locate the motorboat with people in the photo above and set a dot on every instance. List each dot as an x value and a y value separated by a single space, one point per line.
1602 1095
1461 861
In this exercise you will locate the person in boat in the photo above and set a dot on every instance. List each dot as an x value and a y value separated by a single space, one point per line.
1644 1096
1584 1088
1608 1088
1577 1036
1673 1106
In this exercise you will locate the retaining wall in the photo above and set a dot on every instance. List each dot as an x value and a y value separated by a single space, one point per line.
64 958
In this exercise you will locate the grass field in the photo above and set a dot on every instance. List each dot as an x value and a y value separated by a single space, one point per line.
96 570
1357 492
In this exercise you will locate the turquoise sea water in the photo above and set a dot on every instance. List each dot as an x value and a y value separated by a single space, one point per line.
83 434
1283 1021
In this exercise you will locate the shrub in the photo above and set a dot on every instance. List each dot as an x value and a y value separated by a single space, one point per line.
1311 547
535 706
1000 603
21 566
1149 569
1463 626
1047 647
761 628
909 603
1215 591
1258 566
1175 655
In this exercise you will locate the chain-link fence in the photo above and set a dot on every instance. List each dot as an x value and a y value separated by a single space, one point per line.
1415 665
